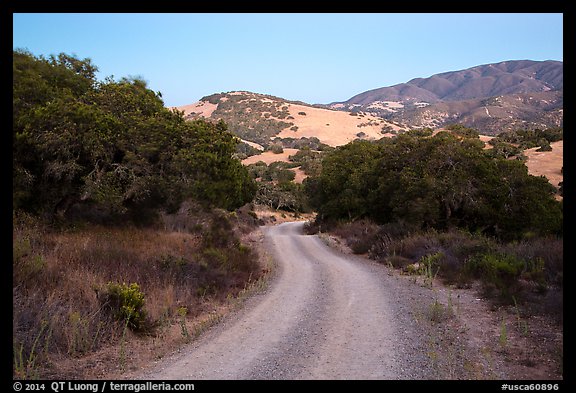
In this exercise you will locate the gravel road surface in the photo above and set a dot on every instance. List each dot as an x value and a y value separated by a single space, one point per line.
325 315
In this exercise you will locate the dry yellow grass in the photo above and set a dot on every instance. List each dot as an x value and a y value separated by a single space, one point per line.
334 128
202 108
547 163
60 286
300 175
486 138
268 157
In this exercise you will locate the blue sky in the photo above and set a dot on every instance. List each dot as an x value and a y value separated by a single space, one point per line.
315 58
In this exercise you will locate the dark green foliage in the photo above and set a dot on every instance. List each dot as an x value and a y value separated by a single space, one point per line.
438 182
251 118
345 189
544 146
422 132
113 145
244 150
304 155
526 139
359 235
214 98
276 149
498 272
285 175
258 169
286 196
311 143
502 149
310 161
463 131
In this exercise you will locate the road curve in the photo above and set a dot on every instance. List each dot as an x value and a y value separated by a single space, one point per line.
326 315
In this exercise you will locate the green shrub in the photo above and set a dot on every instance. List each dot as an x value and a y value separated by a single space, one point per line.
215 257
432 260
26 264
285 175
497 271
277 149
438 182
397 261
126 302
359 235
544 146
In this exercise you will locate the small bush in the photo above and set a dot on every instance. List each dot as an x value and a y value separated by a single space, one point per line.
277 149
397 261
312 227
438 313
544 147
419 245
126 302
548 249
360 245
458 247
215 257
359 235
497 271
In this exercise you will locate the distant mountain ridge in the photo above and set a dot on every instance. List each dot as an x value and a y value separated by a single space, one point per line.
493 97
489 80
490 98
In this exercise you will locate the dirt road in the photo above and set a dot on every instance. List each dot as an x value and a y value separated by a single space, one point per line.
325 315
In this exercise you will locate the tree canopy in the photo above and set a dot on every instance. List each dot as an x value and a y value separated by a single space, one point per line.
113 144
441 181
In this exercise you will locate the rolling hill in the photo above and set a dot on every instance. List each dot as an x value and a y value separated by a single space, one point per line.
490 98
259 118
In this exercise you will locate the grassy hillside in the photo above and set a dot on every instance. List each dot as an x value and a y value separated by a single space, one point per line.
259 118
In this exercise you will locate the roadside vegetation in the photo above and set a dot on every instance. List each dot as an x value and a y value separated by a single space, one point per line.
92 287
127 219
441 182
446 206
